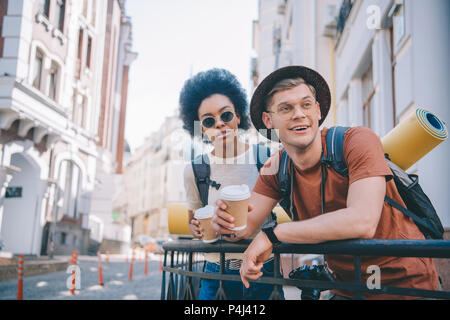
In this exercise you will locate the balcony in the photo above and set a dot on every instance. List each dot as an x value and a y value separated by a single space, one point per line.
184 268
31 112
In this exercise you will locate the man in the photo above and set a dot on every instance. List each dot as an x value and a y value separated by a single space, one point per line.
295 101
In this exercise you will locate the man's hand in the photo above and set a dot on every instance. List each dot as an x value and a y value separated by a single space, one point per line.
194 227
222 222
254 257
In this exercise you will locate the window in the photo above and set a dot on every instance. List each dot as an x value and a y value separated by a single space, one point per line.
60 12
75 241
63 237
89 51
37 69
69 182
399 24
80 44
368 92
44 7
54 72
80 53
79 111
72 180
93 12
81 121
85 7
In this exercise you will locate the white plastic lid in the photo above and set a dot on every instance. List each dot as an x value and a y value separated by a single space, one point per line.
204 213
235 193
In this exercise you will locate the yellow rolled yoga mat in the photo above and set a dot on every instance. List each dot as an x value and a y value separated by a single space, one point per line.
414 137
178 218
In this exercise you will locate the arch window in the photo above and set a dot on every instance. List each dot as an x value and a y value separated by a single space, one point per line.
44 7
60 13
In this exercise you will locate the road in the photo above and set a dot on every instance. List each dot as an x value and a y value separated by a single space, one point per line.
117 286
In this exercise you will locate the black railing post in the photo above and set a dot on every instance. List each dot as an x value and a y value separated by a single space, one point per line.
171 290
357 270
188 290
163 282
275 295
221 295
179 278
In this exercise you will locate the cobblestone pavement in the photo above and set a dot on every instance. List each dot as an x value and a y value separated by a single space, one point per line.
117 286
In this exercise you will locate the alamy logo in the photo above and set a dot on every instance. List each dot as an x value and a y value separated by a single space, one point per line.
373 17
74 271
374 280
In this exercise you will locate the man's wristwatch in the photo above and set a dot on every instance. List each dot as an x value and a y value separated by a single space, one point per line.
267 228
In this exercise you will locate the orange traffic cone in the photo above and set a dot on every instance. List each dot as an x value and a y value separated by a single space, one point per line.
146 263
74 262
20 278
100 271
130 274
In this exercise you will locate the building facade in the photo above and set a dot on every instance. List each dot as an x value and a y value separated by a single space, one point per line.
118 56
379 60
153 179
51 73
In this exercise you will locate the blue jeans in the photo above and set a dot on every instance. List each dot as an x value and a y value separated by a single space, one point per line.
235 290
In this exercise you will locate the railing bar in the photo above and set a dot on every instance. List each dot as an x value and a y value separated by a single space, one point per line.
190 261
163 284
176 276
182 278
384 248
276 274
357 272
358 248
171 294
222 263
323 285
220 294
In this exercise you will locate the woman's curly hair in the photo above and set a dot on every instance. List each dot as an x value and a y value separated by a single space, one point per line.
204 85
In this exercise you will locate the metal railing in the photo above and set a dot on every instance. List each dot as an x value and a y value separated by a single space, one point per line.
185 267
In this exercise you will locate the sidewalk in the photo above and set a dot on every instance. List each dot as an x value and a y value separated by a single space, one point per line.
32 266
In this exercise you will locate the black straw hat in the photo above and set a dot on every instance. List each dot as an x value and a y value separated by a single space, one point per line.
257 104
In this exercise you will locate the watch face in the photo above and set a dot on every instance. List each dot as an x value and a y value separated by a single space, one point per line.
269 224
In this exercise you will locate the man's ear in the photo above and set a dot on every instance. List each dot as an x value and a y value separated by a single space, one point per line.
320 111
267 120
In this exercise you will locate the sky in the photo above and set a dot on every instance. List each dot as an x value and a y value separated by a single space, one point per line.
177 38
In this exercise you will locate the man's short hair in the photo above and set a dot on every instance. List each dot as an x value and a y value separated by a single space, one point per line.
286 84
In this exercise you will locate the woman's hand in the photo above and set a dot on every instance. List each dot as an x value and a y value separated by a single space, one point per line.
194 227
222 222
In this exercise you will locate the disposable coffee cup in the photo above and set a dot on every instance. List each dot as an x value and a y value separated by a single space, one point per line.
204 216
236 197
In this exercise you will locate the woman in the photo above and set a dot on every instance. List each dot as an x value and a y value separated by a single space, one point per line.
215 101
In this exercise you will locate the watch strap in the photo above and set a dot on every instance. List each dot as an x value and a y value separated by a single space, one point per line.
271 235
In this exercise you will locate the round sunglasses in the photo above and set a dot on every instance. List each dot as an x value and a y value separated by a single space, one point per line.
210 122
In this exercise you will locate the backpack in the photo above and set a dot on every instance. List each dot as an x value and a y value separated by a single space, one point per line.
418 205
202 171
